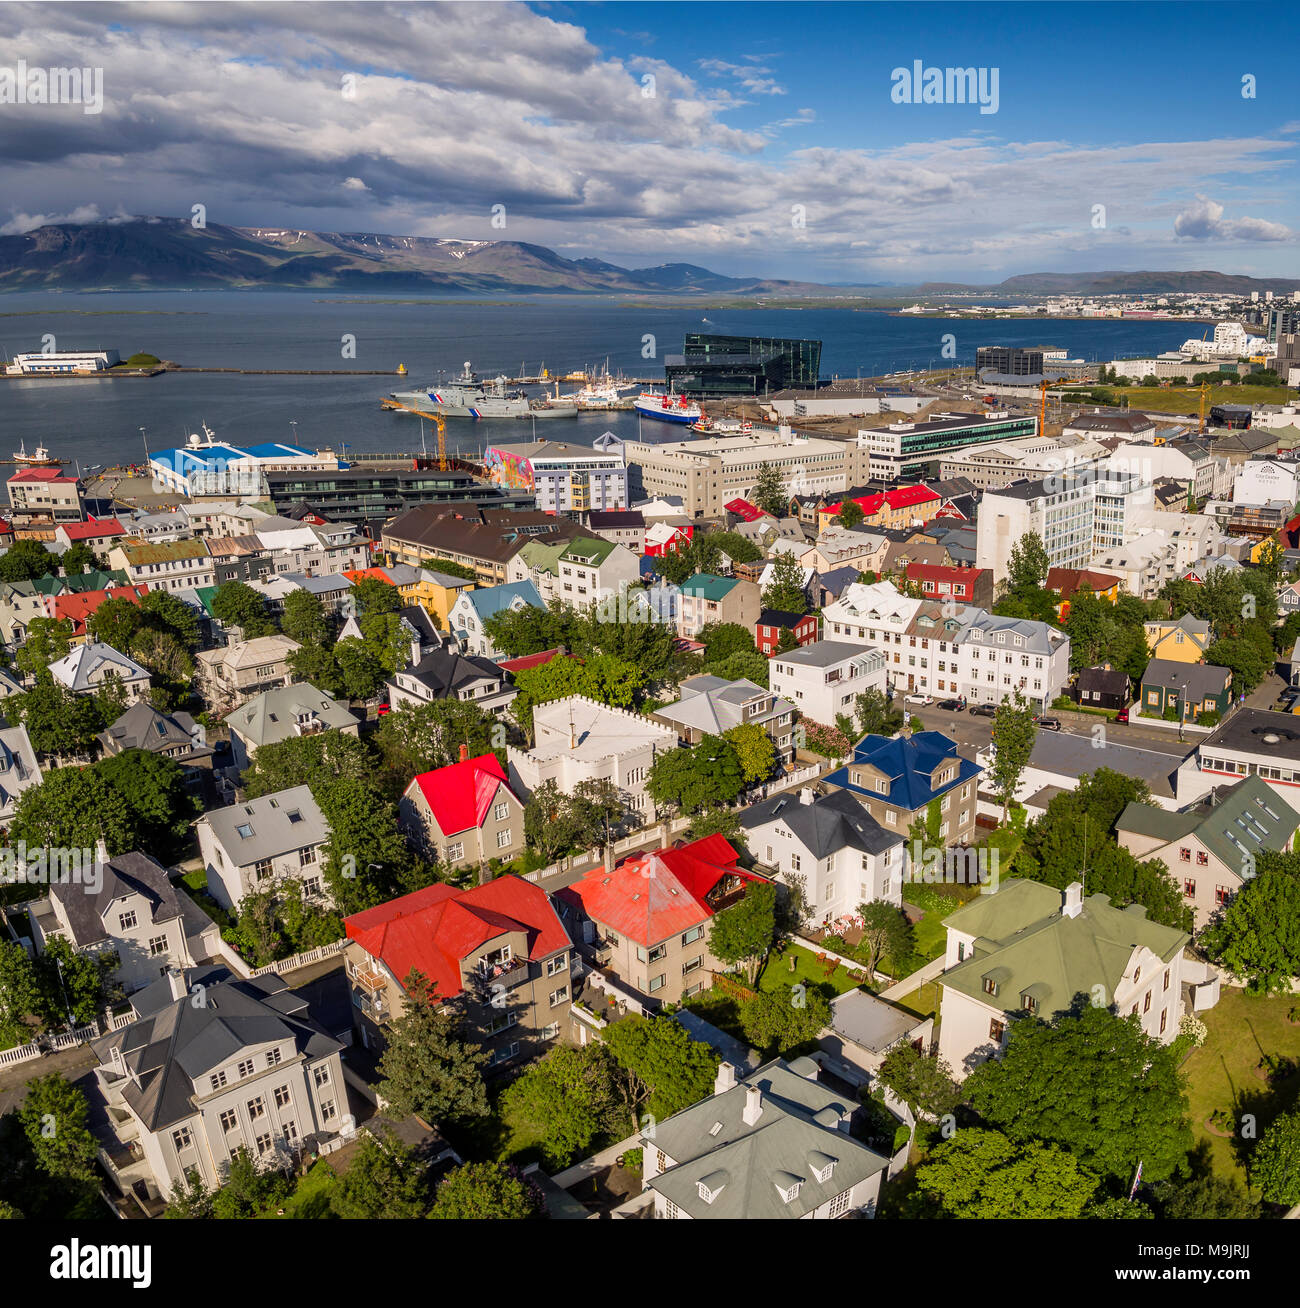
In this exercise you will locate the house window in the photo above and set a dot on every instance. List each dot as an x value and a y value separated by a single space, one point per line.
247 1068
264 1143
282 1096
996 1030
559 996
1146 1003
501 812
126 920
262 869
157 945
229 1120
182 1138
550 1032
557 964
327 1110
1184 854
1166 984
1189 889
290 1131
503 838
256 1108
308 856
1202 858
694 934
217 1079
454 853
321 1075
657 982
839 1205
990 986
1164 1020
1222 894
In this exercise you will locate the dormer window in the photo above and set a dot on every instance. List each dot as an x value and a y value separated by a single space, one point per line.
788 1187
1028 1002
990 985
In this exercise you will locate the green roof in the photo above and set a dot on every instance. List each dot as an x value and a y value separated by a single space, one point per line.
589 550
707 585
1026 945
541 557
1158 823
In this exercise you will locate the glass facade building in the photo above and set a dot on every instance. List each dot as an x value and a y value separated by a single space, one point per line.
741 367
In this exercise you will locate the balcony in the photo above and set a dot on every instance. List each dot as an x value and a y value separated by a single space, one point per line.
495 973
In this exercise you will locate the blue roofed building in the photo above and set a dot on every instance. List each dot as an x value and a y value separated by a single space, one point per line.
211 467
895 778
468 616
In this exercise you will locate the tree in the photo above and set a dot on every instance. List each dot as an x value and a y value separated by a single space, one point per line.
386 640
705 774
784 1021
20 994
984 1174
190 1199
72 809
478 1191
57 720
374 596
769 492
1243 658
747 666
54 1116
666 1070
1257 935
236 604
80 557
424 737
924 1082
875 715
596 810
1094 1083
46 641
25 560
316 665
1029 563
427 1067
75 985
307 761
248 1190
360 674
850 514
566 1099
1275 1168
384 1180
1204 1196
164 654
742 935
164 612
304 618
786 593
755 749
546 822
1014 732
366 859
885 931
528 630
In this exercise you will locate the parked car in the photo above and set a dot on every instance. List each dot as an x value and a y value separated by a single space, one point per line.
985 710
1049 724
1122 715
951 705
918 698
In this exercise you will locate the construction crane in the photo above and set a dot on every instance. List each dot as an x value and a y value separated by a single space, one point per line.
442 440
1042 410
1205 395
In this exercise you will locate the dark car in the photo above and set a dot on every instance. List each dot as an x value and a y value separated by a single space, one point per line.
1049 724
952 705
985 710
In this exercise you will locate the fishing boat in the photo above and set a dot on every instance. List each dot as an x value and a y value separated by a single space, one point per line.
41 458
667 407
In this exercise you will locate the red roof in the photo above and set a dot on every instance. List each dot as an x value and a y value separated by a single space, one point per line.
653 896
526 661
902 498
1067 580
744 509
941 572
78 608
461 794
92 528
368 574
42 474
435 929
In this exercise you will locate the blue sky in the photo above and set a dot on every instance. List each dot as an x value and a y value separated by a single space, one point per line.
1122 138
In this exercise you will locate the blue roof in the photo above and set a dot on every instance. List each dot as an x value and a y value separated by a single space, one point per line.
185 460
909 764
492 599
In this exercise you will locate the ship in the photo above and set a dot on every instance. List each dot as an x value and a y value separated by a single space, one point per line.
41 458
468 396
667 407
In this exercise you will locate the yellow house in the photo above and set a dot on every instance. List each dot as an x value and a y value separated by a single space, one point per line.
1184 641
434 592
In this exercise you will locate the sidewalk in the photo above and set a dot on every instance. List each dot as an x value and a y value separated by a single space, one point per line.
13 1080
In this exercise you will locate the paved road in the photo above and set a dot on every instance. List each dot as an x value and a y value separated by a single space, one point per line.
71 1063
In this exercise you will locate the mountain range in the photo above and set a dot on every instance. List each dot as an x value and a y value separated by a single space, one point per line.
170 253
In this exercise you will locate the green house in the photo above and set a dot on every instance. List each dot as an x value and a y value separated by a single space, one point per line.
1188 690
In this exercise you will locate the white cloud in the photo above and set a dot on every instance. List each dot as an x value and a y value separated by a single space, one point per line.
1203 220
354 184
29 222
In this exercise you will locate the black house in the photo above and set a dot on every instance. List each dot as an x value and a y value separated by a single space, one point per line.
1102 687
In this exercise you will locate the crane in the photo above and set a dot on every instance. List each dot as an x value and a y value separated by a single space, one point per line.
442 440
1205 395
1042 410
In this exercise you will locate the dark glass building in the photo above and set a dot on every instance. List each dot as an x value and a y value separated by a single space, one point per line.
738 367
1010 360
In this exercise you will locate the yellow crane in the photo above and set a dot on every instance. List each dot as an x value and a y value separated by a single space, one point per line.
1042 411
442 440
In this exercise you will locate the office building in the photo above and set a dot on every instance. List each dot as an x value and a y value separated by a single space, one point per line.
721 367
914 451
564 478
1009 360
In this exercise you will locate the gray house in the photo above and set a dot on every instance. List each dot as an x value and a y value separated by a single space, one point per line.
250 846
711 705
19 769
446 674
281 714
172 735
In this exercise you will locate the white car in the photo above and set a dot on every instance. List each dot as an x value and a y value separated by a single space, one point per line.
918 698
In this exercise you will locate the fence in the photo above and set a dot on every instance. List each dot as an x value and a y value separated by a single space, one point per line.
303 960
20 1054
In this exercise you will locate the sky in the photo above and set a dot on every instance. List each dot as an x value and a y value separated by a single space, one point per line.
756 139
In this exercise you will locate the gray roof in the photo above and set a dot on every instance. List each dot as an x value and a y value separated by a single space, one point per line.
74 669
1257 731
1038 636
275 824
19 767
871 1022
1068 755
272 715
822 654
714 704
178 1042
127 874
830 823
795 1135
1197 681
143 727
329 584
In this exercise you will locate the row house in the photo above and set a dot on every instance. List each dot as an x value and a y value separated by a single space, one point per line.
164 565
316 551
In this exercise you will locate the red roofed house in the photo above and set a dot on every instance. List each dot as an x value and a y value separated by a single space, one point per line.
744 510
42 498
498 954
77 609
1065 581
667 538
526 662
965 585
649 917
94 531
771 622
895 508
464 813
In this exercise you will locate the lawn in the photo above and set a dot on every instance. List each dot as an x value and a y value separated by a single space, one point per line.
311 1198
778 971
1187 399
923 1001
195 879
1221 1073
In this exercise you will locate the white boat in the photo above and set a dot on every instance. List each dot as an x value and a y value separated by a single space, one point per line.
667 407
40 459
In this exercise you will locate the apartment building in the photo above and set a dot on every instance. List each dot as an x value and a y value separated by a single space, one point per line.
1190 463
164 565
41 499
576 572
475 537
1058 509
570 479
708 473
648 918
232 673
626 527
993 467
497 954
704 599
253 846
823 679
316 551
997 657
189 1084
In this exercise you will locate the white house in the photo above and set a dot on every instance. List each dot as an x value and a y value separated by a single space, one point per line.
997 656
94 666
831 846
1260 481
825 678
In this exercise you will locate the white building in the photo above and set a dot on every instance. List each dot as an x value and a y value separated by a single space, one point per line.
94 666
1058 509
1261 481
567 479
991 467
998 656
831 848
1189 462
164 564
579 739
1143 565
825 678
211 467
64 361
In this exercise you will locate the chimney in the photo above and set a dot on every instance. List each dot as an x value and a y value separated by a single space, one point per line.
101 852
176 981
753 1104
725 1079
806 795
1073 899
464 753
